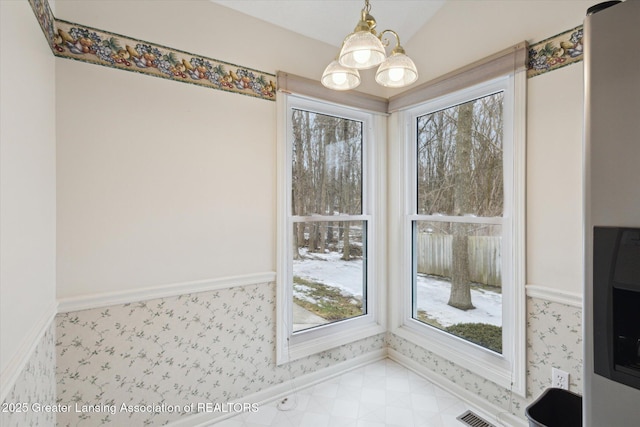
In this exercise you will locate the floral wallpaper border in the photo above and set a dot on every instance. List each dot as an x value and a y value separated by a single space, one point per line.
86 44
45 18
555 52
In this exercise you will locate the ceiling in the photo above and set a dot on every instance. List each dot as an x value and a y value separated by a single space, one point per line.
331 20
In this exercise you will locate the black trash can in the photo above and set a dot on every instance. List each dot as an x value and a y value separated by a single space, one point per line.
556 408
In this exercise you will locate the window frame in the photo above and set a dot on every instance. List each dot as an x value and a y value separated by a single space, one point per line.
508 369
289 345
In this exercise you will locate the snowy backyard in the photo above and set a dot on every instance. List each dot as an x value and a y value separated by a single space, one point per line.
433 293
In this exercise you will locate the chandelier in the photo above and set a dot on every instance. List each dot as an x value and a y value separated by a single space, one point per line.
364 49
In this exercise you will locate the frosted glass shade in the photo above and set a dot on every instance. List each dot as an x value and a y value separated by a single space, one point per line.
337 77
361 50
397 71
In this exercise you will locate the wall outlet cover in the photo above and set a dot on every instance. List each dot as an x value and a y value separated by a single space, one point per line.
559 379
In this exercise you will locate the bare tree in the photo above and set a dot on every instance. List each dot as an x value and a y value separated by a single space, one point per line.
300 121
460 296
459 171
326 176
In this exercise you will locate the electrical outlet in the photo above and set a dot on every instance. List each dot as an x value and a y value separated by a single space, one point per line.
559 379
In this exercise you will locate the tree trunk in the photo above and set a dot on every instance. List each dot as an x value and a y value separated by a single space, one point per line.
346 251
297 201
460 296
328 138
329 238
313 237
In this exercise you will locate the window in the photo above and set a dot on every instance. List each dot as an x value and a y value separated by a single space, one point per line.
329 234
461 244
329 226
457 231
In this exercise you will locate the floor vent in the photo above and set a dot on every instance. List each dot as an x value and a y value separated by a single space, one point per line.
472 420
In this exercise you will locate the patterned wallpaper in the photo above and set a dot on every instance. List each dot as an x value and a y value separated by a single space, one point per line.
26 404
554 338
171 354
161 358
86 44
555 52
178 352
82 43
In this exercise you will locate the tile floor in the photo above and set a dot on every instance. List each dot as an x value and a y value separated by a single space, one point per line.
381 394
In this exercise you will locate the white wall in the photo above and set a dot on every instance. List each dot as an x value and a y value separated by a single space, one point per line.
27 185
554 180
161 182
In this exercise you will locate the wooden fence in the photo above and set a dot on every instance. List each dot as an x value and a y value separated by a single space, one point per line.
434 257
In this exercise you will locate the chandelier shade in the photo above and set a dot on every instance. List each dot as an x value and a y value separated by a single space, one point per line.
397 71
337 77
364 49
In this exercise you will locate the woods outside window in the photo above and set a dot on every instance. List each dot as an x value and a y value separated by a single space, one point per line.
462 244
329 248
327 284
457 235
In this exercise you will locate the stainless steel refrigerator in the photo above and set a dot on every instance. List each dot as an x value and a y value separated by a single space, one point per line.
611 321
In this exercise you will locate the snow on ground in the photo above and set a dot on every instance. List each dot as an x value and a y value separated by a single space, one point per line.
433 293
330 270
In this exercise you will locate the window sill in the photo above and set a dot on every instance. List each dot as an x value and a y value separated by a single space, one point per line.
480 361
323 342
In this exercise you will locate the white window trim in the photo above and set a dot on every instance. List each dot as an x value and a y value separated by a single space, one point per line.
291 346
507 370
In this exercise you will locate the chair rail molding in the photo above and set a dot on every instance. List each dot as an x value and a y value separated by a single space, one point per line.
85 302
547 293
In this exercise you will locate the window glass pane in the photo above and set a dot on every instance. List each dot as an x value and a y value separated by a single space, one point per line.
327 165
329 272
459 159
457 280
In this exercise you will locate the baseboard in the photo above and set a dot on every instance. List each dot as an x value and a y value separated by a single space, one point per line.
554 295
31 340
86 302
487 410
285 389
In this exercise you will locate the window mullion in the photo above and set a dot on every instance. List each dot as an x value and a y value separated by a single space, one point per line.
330 218
458 219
